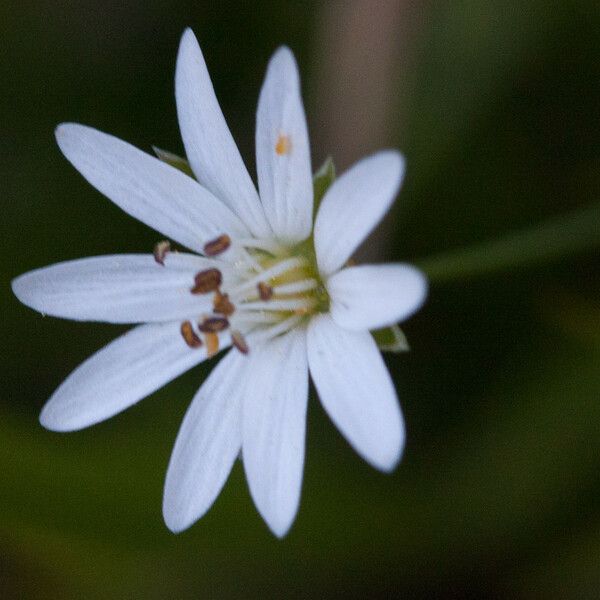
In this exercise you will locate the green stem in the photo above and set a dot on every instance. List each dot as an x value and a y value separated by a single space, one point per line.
566 235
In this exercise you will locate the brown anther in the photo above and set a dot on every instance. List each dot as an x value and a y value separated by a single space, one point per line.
265 291
212 344
217 246
207 281
190 336
160 251
213 324
283 145
222 304
237 339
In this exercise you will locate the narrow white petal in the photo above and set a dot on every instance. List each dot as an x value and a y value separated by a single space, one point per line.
283 152
354 205
356 391
374 296
148 189
207 445
128 288
122 373
274 426
210 148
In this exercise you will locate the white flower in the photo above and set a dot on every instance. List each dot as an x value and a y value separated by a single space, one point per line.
263 278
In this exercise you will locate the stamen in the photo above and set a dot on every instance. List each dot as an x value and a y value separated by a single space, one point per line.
237 339
283 145
260 317
265 292
274 271
213 324
190 336
248 261
304 285
295 304
212 344
217 246
207 281
270 246
160 251
222 304
282 327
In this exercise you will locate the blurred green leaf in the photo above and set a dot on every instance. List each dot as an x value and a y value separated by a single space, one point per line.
568 569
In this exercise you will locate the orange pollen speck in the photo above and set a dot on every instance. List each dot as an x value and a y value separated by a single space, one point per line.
222 304
265 291
207 281
217 246
212 344
283 145
190 336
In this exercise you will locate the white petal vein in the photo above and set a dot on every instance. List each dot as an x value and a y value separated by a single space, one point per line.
356 390
353 206
129 288
128 369
148 189
373 296
283 151
209 146
274 426
207 445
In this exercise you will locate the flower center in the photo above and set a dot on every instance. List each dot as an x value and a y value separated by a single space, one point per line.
272 290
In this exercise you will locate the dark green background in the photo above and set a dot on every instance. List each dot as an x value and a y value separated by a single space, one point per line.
498 492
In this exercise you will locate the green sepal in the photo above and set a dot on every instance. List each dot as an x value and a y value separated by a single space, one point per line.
174 160
322 180
391 339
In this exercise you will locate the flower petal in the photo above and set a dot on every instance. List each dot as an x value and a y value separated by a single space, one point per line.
283 152
374 296
354 205
274 426
128 288
210 148
356 391
207 445
122 373
148 189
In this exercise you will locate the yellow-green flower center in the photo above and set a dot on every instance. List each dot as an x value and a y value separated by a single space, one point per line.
301 281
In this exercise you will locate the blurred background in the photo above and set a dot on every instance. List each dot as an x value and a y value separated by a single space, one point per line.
495 105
